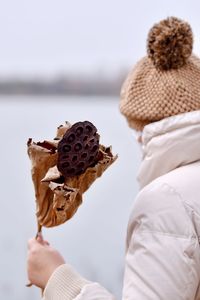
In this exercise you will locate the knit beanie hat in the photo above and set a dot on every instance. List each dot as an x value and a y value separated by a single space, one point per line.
167 81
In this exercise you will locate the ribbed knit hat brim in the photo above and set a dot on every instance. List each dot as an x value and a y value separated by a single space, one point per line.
149 95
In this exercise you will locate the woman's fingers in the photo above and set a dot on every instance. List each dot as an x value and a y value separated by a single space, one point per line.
39 237
31 243
42 260
34 242
41 240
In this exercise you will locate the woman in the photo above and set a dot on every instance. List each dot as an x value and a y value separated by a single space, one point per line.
160 99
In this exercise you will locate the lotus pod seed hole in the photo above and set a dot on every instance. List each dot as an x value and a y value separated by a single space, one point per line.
89 128
65 165
66 148
79 131
65 156
84 155
74 158
71 138
78 147
95 147
85 138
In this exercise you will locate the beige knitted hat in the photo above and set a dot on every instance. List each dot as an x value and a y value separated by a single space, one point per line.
167 81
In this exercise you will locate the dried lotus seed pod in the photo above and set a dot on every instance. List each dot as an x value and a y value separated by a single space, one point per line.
78 149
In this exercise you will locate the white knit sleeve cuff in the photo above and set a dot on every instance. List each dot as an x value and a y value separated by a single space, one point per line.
64 283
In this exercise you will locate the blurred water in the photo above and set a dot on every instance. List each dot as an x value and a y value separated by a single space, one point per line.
94 240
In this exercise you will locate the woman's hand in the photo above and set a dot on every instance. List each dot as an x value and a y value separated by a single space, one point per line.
42 261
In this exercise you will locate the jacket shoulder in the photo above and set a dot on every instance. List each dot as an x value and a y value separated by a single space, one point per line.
159 208
185 181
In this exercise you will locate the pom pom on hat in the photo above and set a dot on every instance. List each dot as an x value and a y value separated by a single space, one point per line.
170 43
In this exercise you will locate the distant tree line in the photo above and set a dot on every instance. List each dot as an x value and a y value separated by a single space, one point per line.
64 85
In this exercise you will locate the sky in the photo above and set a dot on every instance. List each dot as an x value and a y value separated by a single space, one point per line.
46 37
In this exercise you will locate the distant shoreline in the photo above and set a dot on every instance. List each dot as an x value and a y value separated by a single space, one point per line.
74 95
48 97
63 86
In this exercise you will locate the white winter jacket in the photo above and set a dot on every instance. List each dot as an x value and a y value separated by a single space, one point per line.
162 251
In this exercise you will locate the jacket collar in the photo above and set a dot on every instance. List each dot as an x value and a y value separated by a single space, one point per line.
169 144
